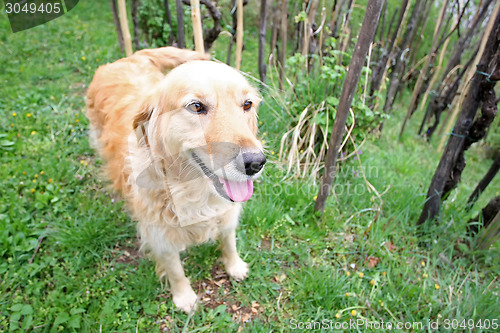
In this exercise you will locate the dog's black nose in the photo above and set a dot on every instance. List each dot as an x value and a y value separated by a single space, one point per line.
254 162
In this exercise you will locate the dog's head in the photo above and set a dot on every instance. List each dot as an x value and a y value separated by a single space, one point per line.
206 112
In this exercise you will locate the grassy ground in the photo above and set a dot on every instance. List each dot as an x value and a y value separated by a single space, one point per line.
68 249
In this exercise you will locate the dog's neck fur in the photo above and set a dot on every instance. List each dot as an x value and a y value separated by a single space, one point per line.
187 195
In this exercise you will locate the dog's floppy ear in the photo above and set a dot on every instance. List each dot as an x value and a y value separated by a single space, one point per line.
145 173
165 58
140 124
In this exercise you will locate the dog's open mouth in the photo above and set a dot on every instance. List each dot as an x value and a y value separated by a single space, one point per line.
229 189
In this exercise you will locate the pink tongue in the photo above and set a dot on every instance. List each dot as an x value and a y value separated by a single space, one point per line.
238 191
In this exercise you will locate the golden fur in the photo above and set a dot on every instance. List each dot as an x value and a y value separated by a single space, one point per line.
157 149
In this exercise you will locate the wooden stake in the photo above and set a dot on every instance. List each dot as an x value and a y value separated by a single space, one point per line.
239 35
284 25
197 29
423 72
437 71
135 24
381 68
485 181
308 28
490 234
365 39
382 84
262 40
122 9
117 24
180 24
457 138
169 19
467 78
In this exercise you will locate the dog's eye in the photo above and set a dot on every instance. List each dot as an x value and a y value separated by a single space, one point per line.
197 107
247 105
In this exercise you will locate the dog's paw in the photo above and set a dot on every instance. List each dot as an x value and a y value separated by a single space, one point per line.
237 269
185 300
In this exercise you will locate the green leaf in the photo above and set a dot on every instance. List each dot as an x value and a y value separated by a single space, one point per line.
463 247
275 286
150 309
334 101
301 17
74 322
26 309
43 198
220 309
319 119
16 307
289 219
60 319
77 310
14 320
28 320
6 143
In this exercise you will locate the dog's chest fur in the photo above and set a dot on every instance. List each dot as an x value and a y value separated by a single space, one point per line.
184 212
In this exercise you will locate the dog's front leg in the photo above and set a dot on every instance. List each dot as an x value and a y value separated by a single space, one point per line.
235 267
182 293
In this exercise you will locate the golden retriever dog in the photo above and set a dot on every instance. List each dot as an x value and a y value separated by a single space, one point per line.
181 146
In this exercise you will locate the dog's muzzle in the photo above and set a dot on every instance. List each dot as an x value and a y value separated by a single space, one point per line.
232 190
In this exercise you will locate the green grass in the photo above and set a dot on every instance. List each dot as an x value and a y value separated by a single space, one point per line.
68 252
